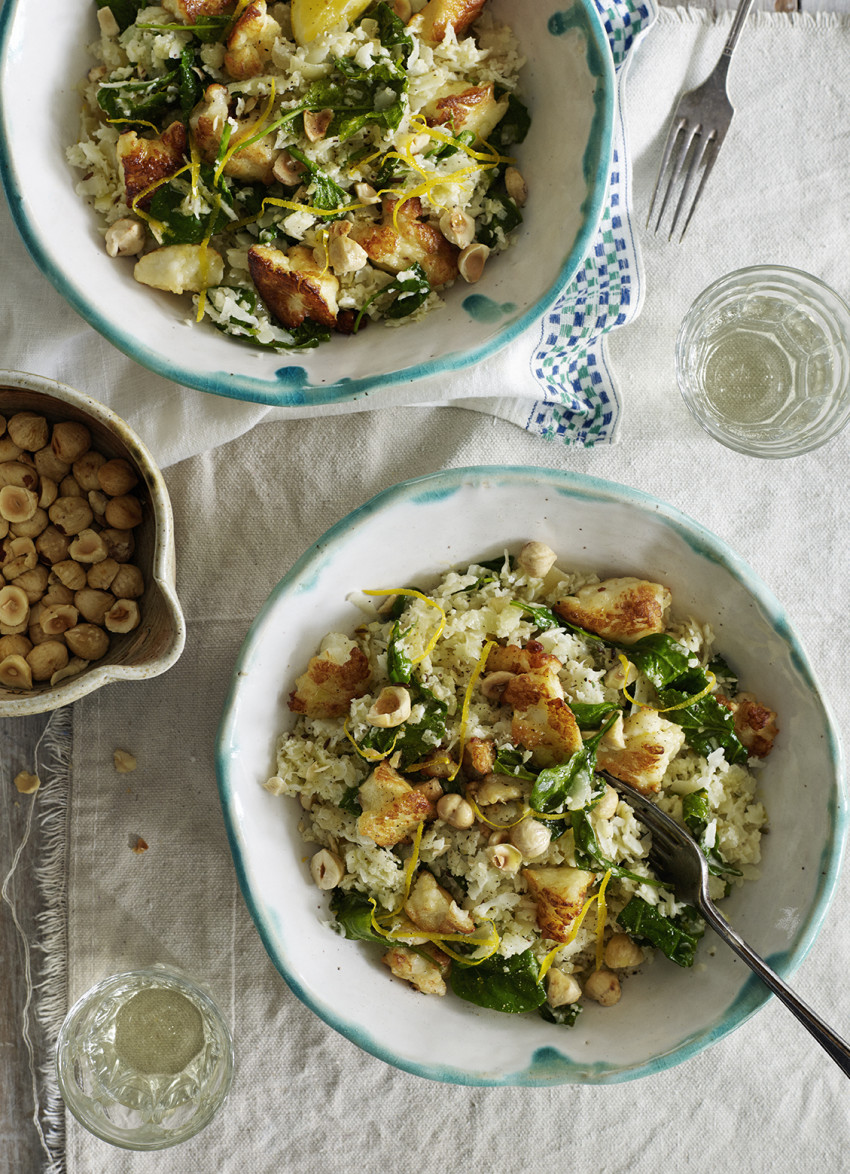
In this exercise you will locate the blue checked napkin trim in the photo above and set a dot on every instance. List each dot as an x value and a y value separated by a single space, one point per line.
580 404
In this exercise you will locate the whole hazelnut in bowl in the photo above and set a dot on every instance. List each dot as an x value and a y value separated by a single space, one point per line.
87 571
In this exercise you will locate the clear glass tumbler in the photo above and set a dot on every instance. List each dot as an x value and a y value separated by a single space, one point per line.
144 1059
763 361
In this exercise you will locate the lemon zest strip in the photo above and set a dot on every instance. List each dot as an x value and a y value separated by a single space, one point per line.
601 917
250 135
492 155
467 697
712 681
571 937
411 593
156 225
366 751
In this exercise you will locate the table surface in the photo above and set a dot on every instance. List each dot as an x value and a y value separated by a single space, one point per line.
20 1149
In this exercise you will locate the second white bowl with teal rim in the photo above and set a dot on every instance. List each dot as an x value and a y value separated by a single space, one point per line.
570 88
449 519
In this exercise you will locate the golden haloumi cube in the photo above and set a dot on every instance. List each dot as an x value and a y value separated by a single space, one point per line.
559 894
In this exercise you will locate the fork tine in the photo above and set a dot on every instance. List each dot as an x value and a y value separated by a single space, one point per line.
688 135
700 146
711 151
672 135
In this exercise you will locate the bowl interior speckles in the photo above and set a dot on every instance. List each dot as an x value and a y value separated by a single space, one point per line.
569 85
157 642
666 1014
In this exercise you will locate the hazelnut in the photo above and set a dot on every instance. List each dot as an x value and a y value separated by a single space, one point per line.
14 610
92 604
57 618
101 575
57 592
70 515
123 761
49 465
88 547
603 987
18 473
85 469
49 491
70 440
14 646
124 512
98 502
120 544
46 659
70 574
15 673
32 528
17 504
87 641
28 430
123 616
128 583
117 477
74 666
68 487
33 582
9 451
52 545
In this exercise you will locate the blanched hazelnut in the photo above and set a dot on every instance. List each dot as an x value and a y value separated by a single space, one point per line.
92 604
70 440
531 837
15 673
455 810
70 574
608 804
316 123
33 582
72 669
98 502
4 528
49 465
52 545
603 987
18 473
391 707
68 487
14 646
516 186
505 857
493 685
457 227
621 952
125 238
327 869
56 593
101 576
561 989
85 469
120 544
123 761
33 527
471 262
117 477
88 547
537 559
70 515
28 430
17 504
123 616
37 634
498 789
14 610
9 451
57 618
124 512
20 556
128 583
366 194
48 492
46 659
288 170
87 641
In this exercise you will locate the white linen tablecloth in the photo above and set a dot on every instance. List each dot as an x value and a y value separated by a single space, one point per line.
764 1099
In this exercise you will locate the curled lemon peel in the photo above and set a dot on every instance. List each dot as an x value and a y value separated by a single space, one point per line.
576 926
156 226
712 681
411 593
492 156
601 917
467 697
366 751
134 121
294 206
499 826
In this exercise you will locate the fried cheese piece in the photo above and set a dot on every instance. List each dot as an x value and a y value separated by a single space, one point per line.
192 11
251 41
437 16
421 973
433 910
623 610
559 894
755 724
293 286
391 808
143 162
650 743
467 108
395 249
253 163
332 680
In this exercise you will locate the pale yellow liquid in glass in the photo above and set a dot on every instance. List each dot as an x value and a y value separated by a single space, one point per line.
158 1031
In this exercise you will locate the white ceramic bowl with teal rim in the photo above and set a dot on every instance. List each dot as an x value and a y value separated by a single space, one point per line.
411 534
569 85
158 641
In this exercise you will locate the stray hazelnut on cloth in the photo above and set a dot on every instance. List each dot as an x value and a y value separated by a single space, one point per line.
124 761
27 783
138 845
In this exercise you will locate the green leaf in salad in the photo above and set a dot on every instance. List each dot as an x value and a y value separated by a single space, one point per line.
510 984
542 617
589 714
411 288
413 741
124 11
660 658
350 801
510 761
502 221
696 812
676 937
565 1016
513 126
707 725
241 324
323 192
139 101
180 227
571 784
353 913
208 28
590 856
399 664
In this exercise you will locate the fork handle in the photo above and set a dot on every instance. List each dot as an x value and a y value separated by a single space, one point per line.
718 74
833 1044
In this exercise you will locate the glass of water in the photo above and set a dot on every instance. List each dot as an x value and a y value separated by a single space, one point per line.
144 1059
763 361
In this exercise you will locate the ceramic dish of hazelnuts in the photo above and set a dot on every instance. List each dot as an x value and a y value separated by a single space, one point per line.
87 578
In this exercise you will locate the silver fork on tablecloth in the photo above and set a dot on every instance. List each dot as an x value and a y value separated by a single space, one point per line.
700 122
677 859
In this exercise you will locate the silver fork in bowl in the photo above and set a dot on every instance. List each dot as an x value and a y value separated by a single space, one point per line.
676 858
700 122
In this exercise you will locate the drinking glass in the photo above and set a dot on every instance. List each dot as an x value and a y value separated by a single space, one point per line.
763 361
144 1059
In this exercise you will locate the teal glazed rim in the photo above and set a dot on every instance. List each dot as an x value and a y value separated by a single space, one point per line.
290 385
548 1065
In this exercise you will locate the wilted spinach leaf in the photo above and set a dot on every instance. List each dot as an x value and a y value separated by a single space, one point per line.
140 101
411 289
570 785
124 11
543 618
696 813
677 937
565 1016
502 984
353 913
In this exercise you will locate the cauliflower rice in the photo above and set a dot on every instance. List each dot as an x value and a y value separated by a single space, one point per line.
411 722
297 190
